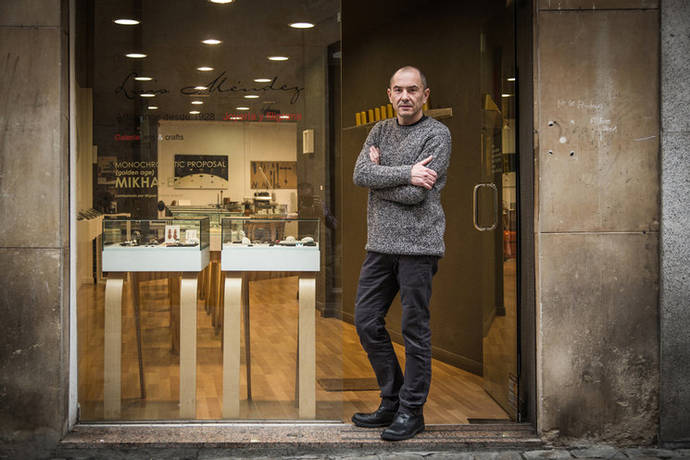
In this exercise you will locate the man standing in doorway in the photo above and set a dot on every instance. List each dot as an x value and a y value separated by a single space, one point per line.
403 164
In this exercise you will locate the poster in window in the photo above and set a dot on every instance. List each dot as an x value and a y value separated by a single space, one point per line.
201 171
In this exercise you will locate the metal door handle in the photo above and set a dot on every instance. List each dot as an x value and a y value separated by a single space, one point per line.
475 208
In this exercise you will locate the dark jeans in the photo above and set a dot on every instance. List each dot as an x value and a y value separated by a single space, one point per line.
380 279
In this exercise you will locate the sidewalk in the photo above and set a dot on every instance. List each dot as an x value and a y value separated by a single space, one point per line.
216 441
591 452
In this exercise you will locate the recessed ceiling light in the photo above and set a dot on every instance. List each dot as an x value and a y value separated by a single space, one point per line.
284 117
143 78
301 25
135 55
200 88
241 108
147 95
197 102
511 78
126 22
222 2
263 80
211 41
152 107
506 95
277 58
204 69
235 118
194 112
251 96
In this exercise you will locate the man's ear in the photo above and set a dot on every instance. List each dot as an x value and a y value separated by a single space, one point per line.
427 91
388 91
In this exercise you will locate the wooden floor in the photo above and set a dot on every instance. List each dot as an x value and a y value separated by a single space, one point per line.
455 395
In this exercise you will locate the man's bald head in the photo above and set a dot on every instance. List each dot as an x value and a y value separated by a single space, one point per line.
409 68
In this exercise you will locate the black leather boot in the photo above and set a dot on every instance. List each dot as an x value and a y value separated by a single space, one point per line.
383 416
404 426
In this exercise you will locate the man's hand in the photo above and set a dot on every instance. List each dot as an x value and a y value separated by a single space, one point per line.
421 176
374 154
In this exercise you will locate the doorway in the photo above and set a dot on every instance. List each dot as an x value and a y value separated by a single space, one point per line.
336 69
467 51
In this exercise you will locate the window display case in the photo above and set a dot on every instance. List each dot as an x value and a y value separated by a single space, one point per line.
214 214
270 245
160 245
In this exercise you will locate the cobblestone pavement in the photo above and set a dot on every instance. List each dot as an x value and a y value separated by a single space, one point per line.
582 452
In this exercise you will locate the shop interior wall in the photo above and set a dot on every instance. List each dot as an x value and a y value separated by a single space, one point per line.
597 100
442 40
240 142
34 241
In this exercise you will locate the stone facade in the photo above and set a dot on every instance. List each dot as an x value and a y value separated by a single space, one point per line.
606 371
34 242
675 209
596 115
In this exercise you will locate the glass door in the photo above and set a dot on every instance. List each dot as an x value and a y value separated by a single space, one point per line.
466 51
494 206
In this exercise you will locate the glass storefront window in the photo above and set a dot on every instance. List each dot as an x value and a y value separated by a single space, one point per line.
232 129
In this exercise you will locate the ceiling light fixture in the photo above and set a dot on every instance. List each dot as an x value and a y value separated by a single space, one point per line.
251 96
277 58
301 25
506 95
204 69
147 95
200 88
152 107
221 2
135 55
262 80
211 41
143 78
197 102
284 117
241 108
194 112
511 78
235 118
126 22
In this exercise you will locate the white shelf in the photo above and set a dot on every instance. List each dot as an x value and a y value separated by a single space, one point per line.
154 259
270 258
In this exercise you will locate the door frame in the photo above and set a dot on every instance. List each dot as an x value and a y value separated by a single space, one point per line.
526 287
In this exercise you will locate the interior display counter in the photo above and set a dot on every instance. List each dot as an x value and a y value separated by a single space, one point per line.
214 214
132 246
268 245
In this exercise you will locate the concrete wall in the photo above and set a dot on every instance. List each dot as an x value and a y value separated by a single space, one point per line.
34 240
675 209
596 116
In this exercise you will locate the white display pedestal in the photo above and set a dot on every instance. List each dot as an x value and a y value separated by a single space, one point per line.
237 261
112 399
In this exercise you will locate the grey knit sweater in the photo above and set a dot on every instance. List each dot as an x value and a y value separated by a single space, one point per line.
403 218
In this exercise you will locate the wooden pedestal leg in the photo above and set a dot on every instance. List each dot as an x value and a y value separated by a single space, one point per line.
307 348
247 334
217 311
112 356
137 320
231 346
188 345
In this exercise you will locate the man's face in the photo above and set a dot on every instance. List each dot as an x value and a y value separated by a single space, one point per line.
408 95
